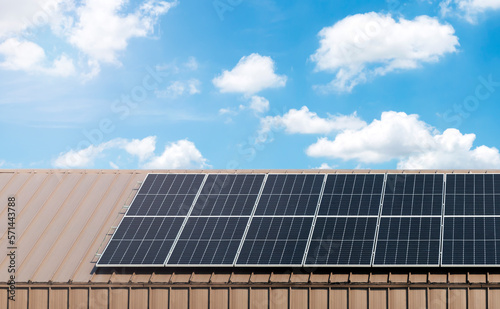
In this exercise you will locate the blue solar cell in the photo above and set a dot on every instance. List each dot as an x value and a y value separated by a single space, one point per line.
356 194
408 241
141 241
291 194
275 241
209 241
342 241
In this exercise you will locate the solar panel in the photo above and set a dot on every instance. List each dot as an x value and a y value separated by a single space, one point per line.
357 194
209 241
342 241
292 194
166 195
472 194
142 241
275 241
413 194
471 241
310 220
408 241
226 195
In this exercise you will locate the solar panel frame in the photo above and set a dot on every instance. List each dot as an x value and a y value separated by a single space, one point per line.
190 215
319 215
254 215
397 190
99 264
276 241
199 219
469 182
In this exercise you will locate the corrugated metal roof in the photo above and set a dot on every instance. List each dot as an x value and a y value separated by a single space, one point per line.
63 217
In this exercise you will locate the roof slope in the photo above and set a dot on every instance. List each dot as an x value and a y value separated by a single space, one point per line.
63 216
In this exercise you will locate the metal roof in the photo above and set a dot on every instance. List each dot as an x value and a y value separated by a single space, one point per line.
65 217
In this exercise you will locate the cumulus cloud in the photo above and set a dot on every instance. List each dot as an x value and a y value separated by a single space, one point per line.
102 31
18 16
410 141
468 9
29 57
303 121
179 154
251 74
362 46
99 29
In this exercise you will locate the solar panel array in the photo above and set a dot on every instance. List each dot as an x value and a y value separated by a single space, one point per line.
310 220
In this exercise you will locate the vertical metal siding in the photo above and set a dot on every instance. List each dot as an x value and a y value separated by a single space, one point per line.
210 297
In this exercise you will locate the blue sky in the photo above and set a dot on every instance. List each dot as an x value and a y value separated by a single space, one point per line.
250 84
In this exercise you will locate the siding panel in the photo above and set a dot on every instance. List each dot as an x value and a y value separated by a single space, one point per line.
39 299
21 301
99 298
397 298
458 299
199 298
299 299
219 298
179 298
378 298
119 298
338 298
319 299
358 299
138 298
259 298
159 298
437 298
417 299
58 299
477 298
279 298
78 298
239 298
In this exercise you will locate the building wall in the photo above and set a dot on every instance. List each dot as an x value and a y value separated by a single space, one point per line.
252 297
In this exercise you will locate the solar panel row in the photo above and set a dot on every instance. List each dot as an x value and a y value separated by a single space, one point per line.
315 219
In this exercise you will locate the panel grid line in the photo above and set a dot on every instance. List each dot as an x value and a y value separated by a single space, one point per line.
314 220
377 228
185 220
441 238
250 219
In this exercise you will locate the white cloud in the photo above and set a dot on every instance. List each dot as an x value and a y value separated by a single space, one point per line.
143 149
303 121
180 154
179 88
252 74
30 57
325 166
259 104
19 16
410 141
468 9
362 46
102 31
99 29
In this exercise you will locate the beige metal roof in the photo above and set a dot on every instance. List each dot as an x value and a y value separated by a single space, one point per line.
64 216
